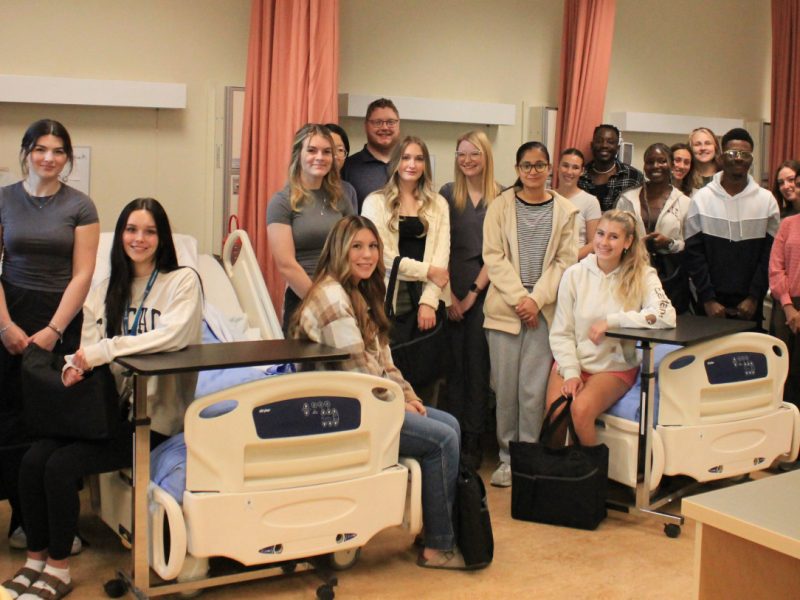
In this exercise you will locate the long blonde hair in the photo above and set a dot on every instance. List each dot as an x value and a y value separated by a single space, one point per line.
634 263
367 296
697 178
299 194
489 187
424 190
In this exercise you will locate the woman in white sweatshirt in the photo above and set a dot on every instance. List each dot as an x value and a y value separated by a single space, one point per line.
147 305
614 287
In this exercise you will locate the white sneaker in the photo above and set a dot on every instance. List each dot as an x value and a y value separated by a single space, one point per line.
19 541
502 476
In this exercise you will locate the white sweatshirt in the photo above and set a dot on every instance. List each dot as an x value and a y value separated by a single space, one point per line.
171 320
585 296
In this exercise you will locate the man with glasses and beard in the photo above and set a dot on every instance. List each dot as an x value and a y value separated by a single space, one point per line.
366 170
605 176
729 230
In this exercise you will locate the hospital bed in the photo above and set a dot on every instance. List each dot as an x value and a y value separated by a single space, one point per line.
313 471
717 413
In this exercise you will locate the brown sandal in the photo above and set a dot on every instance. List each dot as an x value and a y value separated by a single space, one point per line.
32 575
61 588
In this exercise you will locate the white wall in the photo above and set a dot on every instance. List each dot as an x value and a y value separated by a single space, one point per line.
167 154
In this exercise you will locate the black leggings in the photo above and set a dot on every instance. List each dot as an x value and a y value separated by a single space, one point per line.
49 482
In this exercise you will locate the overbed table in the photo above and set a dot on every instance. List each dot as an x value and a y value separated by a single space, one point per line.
747 543
199 357
690 329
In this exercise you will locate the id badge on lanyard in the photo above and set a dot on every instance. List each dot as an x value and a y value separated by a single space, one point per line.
134 329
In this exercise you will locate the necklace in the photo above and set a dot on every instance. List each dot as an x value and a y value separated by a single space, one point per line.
646 206
604 172
324 205
39 201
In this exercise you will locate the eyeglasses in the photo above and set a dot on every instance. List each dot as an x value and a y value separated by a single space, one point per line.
737 154
390 123
539 167
474 155
341 152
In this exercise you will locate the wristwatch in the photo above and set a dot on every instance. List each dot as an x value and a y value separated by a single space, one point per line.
474 288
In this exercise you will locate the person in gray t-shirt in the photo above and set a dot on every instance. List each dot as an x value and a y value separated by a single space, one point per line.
300 216
48 239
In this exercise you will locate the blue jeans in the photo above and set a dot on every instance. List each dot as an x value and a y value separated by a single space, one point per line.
434 441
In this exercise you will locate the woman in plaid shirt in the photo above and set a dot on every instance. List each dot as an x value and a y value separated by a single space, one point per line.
344 309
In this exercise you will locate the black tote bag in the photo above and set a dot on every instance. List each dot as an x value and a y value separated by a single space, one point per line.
88 410
418 354
562 486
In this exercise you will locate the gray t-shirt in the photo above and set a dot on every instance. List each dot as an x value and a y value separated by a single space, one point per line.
466 241
310 223
38 237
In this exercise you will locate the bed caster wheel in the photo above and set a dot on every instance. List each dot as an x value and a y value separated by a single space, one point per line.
325 592
115 588
344 559
671 530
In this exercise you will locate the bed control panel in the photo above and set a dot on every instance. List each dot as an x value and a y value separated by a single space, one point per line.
736 366
312 415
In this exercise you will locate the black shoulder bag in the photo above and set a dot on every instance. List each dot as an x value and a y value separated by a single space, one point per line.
88 410
418 354
473 525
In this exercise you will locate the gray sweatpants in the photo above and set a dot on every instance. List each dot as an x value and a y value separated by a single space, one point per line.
520 367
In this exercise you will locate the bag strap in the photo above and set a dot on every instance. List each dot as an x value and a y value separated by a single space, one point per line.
389 302
550 424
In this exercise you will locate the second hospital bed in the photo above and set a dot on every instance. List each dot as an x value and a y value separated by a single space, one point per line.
277 469
719 412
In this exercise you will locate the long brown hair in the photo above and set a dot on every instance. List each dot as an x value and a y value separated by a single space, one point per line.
299 194
424 190
634 263
685 186
489 187
367 296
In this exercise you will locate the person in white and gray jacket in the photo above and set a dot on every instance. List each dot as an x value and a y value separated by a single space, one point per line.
614 287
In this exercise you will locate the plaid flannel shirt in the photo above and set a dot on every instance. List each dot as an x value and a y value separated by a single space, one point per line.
328 318
625 178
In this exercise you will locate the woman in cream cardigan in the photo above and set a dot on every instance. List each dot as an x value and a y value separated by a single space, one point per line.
660 209
529 240
414 223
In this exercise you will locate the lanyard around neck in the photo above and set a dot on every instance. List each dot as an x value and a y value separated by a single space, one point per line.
137 317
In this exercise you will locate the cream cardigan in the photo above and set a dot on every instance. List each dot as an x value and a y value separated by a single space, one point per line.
437 246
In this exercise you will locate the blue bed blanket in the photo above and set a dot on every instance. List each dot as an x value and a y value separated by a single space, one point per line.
168 460
628 406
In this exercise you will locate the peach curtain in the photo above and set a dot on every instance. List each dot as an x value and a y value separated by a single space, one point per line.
292 78
585 62
785 130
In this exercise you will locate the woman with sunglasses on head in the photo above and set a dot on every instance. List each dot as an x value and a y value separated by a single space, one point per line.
414 223
300 216
660 210
529 239
682 167
148 304
706 156
49 234
468 365
344 309
614 287
570 169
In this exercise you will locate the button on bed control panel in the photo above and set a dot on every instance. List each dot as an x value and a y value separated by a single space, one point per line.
312 415
736 366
